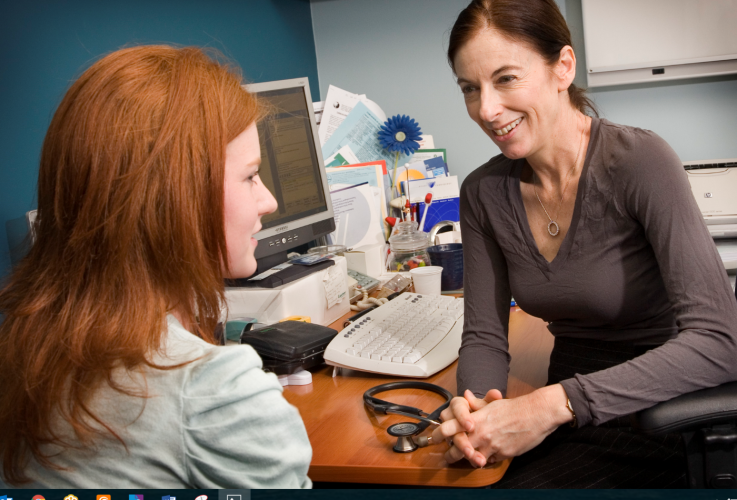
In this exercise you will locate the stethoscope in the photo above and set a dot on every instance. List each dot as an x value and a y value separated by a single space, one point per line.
406 432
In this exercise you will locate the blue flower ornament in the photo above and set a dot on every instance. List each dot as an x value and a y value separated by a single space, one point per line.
400 133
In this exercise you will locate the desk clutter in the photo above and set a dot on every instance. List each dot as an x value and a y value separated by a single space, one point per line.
393 199
392 191
396 211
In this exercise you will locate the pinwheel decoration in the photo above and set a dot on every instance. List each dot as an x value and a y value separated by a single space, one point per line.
400 134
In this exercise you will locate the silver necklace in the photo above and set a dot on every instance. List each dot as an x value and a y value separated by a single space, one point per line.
553 228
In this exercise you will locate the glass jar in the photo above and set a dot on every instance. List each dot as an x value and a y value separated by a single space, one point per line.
408 247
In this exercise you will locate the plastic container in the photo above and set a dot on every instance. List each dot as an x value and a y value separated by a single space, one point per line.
408 247
449 256
289 346
326 249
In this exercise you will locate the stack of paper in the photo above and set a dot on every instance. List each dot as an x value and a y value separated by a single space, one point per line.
361 173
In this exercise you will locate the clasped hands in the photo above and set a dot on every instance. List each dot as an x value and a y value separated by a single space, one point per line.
489 430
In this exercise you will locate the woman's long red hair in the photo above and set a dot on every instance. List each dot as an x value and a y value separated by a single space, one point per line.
130 210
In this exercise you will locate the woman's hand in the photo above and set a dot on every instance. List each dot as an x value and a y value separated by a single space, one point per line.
492 429
460 409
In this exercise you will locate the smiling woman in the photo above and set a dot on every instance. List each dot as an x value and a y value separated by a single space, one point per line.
591 226
148 198
246 200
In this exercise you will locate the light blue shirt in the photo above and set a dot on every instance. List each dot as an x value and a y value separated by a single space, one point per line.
217 422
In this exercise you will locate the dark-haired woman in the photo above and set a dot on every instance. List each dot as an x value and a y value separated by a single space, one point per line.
591 226
148 196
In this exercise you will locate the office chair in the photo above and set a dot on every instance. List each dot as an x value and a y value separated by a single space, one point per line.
707 422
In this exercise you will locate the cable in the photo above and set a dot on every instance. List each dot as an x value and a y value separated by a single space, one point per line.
367 302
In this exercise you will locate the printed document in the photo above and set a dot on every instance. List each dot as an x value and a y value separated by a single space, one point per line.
351 176
356 218
338 105
344 156
334 282
360 131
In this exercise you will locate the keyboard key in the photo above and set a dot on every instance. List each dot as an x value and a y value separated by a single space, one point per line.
412 357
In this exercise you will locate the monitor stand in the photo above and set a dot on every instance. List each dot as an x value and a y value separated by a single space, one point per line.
279 278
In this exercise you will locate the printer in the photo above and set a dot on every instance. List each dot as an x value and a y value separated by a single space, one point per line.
714 185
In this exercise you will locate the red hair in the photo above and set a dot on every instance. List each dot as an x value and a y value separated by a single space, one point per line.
130 204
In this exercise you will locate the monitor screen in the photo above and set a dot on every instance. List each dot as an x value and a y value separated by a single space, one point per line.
289 165
292 169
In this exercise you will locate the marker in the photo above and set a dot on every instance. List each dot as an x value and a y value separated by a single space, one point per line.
428 202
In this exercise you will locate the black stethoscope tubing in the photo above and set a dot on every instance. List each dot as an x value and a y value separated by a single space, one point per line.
385 407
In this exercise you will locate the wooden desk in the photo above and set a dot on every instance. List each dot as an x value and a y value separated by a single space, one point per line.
350 444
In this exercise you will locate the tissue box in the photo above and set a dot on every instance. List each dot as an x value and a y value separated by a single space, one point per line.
368 260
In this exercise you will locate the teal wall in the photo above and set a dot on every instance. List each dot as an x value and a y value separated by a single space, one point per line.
45 45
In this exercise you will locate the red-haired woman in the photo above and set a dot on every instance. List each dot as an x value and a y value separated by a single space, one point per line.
591 226
148 197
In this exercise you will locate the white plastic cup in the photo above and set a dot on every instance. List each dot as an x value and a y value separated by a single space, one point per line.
427 279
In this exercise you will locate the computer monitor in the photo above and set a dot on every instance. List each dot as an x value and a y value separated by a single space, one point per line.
292 169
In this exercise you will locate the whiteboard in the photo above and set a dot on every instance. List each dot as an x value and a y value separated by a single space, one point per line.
626 35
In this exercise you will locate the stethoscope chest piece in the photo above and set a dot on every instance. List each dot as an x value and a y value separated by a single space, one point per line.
404 432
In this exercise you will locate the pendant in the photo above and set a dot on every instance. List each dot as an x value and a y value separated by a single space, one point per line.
557 229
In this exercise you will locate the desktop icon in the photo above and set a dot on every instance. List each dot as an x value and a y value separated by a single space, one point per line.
70 497
5 497
167 497
234 497
103 497
38 497
201 497
135 497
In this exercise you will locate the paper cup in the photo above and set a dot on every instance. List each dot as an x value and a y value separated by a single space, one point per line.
427 279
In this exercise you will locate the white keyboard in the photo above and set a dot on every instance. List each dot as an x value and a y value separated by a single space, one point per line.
412 336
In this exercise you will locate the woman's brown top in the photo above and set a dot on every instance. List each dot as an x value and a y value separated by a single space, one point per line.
637 265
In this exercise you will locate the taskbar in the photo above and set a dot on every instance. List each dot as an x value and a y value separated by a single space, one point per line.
124 494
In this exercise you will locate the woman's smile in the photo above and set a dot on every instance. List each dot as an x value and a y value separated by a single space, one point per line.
505 133
506 130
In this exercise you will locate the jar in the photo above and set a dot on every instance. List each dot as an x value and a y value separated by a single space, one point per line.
408 247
